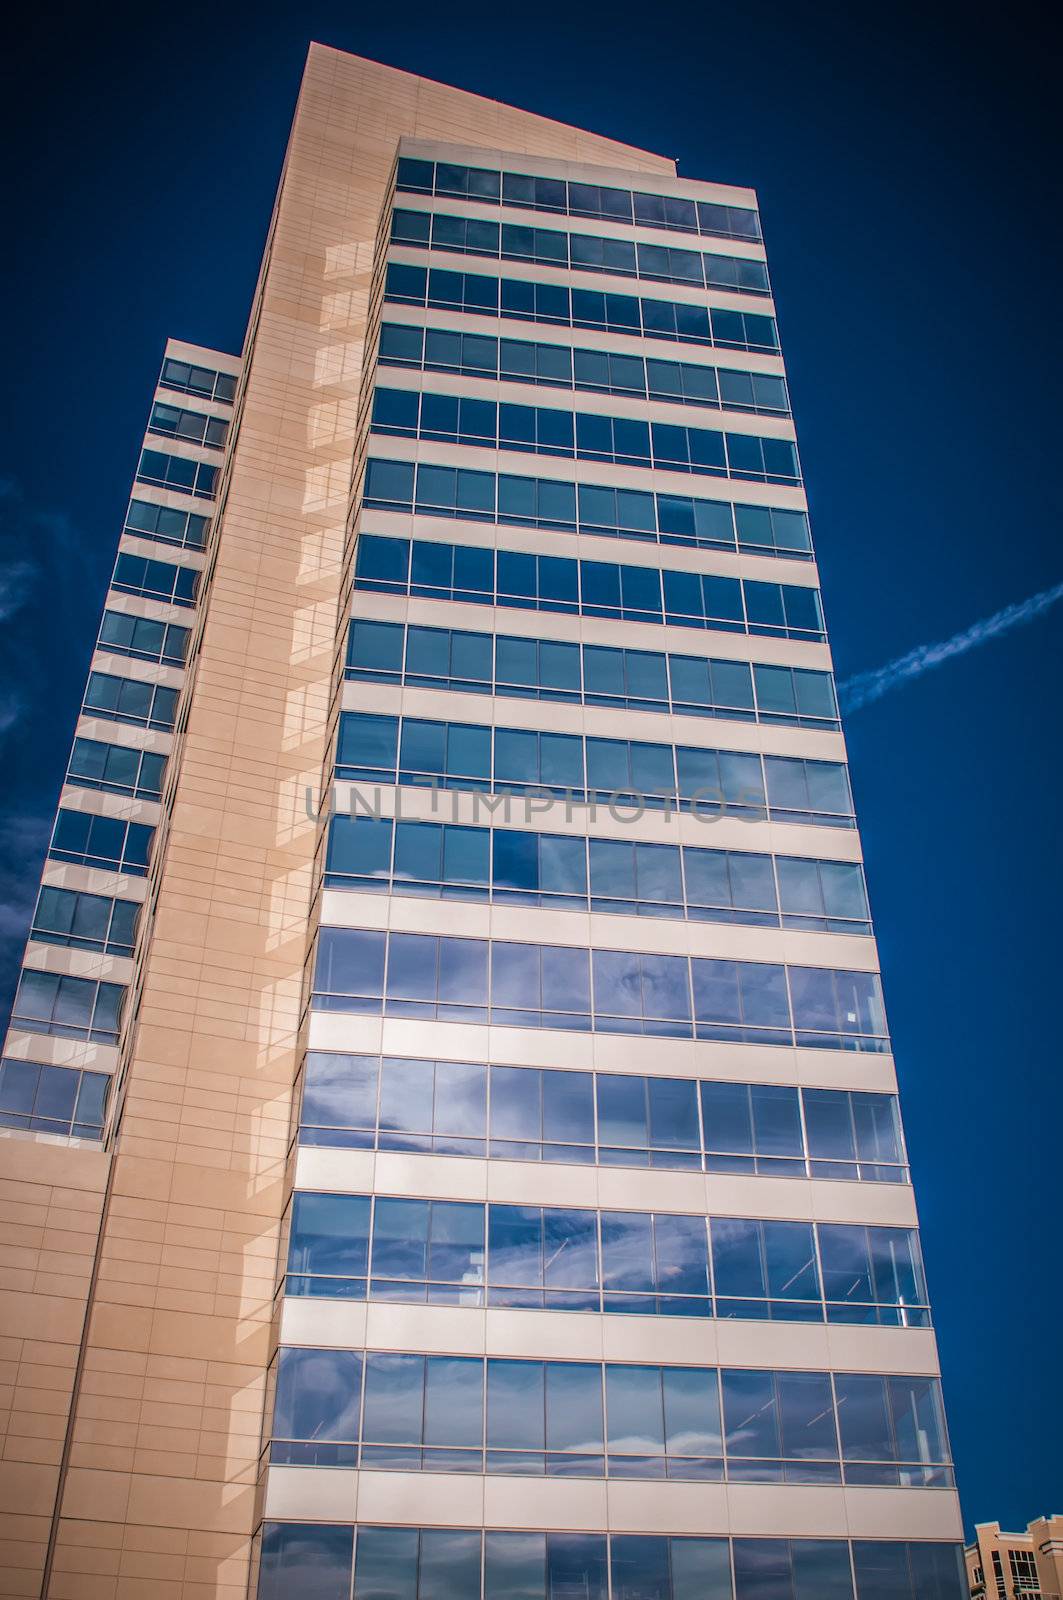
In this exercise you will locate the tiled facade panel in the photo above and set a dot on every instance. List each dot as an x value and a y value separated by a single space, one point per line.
50 1205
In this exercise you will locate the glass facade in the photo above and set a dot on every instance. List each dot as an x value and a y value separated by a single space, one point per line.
78 967
505 782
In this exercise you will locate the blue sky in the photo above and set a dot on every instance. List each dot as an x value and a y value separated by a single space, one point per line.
911 210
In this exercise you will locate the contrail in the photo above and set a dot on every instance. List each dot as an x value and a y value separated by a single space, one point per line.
863 687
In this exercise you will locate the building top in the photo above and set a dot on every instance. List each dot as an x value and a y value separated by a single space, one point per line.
666 183
364 91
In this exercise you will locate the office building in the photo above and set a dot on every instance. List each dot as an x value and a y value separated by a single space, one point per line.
453 1145
1016 1566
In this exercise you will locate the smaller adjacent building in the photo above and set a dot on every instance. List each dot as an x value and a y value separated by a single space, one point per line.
1017 1566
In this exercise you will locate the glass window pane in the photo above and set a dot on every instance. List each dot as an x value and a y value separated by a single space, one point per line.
622 1118
406 1096
516 1405
751 1415
460 1098
568 1106
400 1239
681 1255
453 1401
339 1091
640 1567
692 1411
329 1234
821 1569
456 1242
701 1569
450 1564
515 1247
627 1251
570 1248
385 1565
673 1113
516 1103
635 1409
311 1560
575 1566
574 1406
394 1398
514 1566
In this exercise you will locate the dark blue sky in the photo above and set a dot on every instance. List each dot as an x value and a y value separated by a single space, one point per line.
907 166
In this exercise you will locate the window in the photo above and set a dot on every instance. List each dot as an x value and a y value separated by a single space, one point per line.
445 1252
871 1275
765 1270
548 669
116 769
143 639
792 1569
83 921
584 436
707 783
890 1570
677 213
68 1008
580 251
1024 1572
155 580
541 1115
558 305
166 526
437 571
780 1427
852 1135
518 361
105 842
316 1559
193 426
204 381
543 1258
176 472
408 1563
893 1431
547 1114
568 1419
147 705
437 979
35 1098
450 861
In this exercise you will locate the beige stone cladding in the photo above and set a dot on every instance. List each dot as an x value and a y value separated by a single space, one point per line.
50 1203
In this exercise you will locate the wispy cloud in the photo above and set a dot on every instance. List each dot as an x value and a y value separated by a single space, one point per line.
44 567
863 687
23 841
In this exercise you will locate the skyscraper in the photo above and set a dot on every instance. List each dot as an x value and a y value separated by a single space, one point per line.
454 1146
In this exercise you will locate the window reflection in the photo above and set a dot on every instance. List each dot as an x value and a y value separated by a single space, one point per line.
557 304
434 978
585 436
570 1259
589 252
433 570
434 1413
615 1119
318 1560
